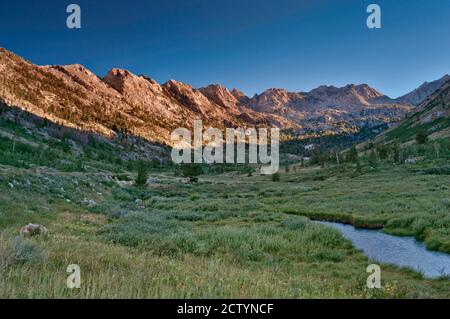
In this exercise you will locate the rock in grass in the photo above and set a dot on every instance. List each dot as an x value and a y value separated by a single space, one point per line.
153 180
186 180
88 202
411 161
33 230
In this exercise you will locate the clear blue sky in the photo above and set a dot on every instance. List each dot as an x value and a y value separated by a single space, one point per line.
249 44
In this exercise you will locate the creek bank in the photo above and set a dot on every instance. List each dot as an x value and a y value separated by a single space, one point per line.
404 252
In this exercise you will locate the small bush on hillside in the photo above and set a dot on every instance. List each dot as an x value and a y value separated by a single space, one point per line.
444 170
24 251
358 166
373 158
191 171
142 175
421 136
276 177
352 155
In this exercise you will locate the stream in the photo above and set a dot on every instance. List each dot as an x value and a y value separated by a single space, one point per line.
404 252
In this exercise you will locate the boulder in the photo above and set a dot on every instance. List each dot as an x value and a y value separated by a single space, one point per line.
88 202
33 230
153 180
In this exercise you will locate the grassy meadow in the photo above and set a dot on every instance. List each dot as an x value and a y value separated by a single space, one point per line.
227 236
231 235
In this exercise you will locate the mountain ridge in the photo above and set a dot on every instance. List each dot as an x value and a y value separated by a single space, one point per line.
136 104
432 117
420 94
73 96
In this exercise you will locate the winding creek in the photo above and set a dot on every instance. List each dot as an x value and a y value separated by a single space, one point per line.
400 251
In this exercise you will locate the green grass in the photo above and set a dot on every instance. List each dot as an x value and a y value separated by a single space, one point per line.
227 236
231 235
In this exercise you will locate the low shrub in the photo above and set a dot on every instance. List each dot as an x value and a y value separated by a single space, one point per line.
27 252
19 250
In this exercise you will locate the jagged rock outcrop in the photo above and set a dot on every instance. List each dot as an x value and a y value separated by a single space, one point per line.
220 95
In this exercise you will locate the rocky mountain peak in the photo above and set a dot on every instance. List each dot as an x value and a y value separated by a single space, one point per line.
80 72
278 95
240 96
220 95
186 95
130 84
273 100
8 54
237 94
366 92
77 68
120 79
82 76
175 85
275 91
323 90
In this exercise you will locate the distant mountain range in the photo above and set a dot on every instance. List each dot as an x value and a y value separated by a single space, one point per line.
75 97
420 94
328 108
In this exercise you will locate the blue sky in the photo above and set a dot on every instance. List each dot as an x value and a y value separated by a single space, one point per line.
248 44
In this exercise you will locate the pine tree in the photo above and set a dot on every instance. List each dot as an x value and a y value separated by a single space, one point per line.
437 148
372 157
396 153
421 136
191 171
352 155
336 154
358 166
276 177
142 174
